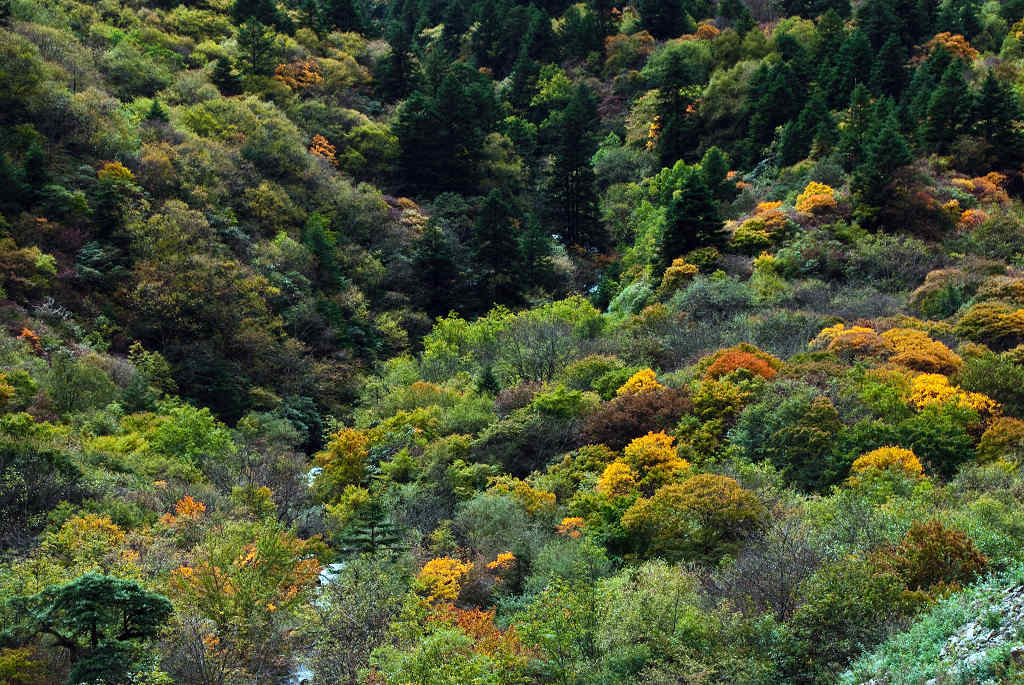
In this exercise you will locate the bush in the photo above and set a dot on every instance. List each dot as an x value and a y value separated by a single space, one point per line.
35 478
715 297
795 428
700 519
845 606
1003 439
617 422
933 558
998 376
996 324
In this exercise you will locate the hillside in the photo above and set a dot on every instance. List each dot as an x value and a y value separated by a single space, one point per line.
385 342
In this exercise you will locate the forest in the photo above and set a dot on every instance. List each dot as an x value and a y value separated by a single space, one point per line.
488 342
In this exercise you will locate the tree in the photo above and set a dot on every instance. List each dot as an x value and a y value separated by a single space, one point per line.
949 109
860 123
852 66
495 246
675 126
99 620
889 71
225 77
887 151
441 131
572 184
343 15
258 48
699 518
370 531
357 608
692 220
995 112
663 18
264 12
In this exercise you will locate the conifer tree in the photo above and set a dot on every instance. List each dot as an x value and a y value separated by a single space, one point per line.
887 151
715 168
889 71
258 48
371 531
436 265
225 77
676 130
496 255
949 110
343 15
994 113
692 220
852 66
859 124
879 19
264 12
663 18
573 185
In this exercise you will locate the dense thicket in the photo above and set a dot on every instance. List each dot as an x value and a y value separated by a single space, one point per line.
392 341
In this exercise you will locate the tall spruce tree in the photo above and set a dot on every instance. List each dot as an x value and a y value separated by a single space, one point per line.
692 220
949 110
995 112
887 151
495 245
572 187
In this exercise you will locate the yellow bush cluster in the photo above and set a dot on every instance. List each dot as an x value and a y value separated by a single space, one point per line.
654 459
915 350
441 578
529 498
618 479
887 458
641 381
934 388
816 198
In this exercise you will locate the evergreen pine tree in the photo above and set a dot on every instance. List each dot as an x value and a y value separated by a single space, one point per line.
860 122
343 15
715 168
258 48
852 66
35 173
264 12
675 137
995 111
371 531
535 250
496 252
436 265
692 220
879 19
887 151
12 191
744 21
663 18
225 77
889 71
572 188
949 110
157 112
